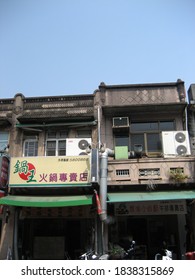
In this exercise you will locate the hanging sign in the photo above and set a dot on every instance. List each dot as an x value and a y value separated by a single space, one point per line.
50 171
164 207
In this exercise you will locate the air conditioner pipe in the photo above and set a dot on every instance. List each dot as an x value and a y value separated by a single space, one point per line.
103 183
104 154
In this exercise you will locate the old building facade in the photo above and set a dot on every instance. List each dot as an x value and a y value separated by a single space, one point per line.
127 145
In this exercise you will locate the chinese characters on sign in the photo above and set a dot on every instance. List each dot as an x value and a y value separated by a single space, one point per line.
52 171
164 207
63 177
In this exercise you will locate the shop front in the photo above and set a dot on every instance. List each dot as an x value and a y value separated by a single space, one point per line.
55 233
52 227
150 222
51 203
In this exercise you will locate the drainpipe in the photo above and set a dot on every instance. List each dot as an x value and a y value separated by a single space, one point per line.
104 218
99 127
103 183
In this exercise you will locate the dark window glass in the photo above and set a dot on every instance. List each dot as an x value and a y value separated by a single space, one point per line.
84 133
146 126
51 148
63 134
51 134
62 147
146 134
122 141
137 139
153 142
166 125
30 148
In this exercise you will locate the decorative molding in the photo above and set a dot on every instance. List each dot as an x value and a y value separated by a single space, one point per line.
17 110
142 96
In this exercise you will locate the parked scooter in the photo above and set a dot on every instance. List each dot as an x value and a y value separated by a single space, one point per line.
190 255
90 255
165 255
123 250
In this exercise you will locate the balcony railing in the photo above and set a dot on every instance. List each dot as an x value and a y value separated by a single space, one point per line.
161 171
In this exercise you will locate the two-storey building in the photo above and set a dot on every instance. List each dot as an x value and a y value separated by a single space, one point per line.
150 182
127 145
48 213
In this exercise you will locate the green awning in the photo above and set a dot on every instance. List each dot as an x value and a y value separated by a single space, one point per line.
46 201
150 196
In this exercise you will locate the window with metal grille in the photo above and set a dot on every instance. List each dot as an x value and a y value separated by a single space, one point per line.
149 172
30 148
177 170
56 143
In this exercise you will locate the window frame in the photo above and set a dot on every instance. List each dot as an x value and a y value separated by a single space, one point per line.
35 141
57 139
145 133
4 142
151 131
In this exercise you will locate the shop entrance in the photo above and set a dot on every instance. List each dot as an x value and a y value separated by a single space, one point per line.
149 232
54 239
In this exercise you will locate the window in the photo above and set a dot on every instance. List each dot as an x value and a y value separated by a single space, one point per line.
4 135
56 143
51 148
146 134
122 140
148 172
61 147
84 133
30 148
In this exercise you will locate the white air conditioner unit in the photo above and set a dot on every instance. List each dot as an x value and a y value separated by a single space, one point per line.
77 146
120 122
175 143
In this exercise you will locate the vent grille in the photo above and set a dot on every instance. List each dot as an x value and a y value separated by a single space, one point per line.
121 122
149 172
122 172
177 170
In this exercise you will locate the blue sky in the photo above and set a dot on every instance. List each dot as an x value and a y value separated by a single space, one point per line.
65 47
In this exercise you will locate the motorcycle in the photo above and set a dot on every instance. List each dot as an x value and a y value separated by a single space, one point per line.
166 256
124 250
90 255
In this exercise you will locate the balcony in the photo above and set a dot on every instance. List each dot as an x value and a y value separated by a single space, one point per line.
146 170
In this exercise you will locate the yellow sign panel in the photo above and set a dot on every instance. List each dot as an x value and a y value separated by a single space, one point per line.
50 171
